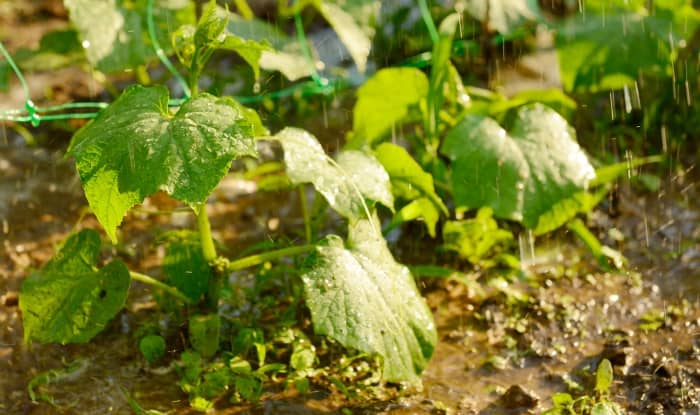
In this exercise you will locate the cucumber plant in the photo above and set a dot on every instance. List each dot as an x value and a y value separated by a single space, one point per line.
145 142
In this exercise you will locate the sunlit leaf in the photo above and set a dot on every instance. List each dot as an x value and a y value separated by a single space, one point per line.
211 34
361 297
353 21
603 376
478 239
69 300
384 100
520 174
285 55
410 182
136 146
345 183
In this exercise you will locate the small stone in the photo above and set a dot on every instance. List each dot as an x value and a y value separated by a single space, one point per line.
517 397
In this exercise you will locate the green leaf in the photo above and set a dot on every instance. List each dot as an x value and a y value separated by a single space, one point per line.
152 347
520 175
114 32
353 21
286 57
503 16
477 240
603 376
211 34
368 175
605 50
385 99
69 301
361 297
136 147
205 333
185 266
343 184
562 400
410 182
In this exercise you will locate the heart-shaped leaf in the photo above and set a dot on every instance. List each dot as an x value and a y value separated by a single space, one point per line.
521 175
68 301
136 147
361 297
345 183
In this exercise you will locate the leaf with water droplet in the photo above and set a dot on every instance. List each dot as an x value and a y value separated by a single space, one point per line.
541 153
69 300
361 297
136 147
345 183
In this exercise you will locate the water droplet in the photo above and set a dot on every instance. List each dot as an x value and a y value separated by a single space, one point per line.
86 44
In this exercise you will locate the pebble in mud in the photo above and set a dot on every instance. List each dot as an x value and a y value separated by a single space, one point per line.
517 398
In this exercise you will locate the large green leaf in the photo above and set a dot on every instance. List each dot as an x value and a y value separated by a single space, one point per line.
185 266
608 50
385 99
504 16
353 21
68 301
410 182
521 175
360 296
345 183
286 57
114 32
136 147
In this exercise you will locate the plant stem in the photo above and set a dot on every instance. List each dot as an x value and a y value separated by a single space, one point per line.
155 283
258 259
305 213
209 252
205 238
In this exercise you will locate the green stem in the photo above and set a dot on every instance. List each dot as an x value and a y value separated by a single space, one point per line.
205 238
216 281
158 284
258 259
305 213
